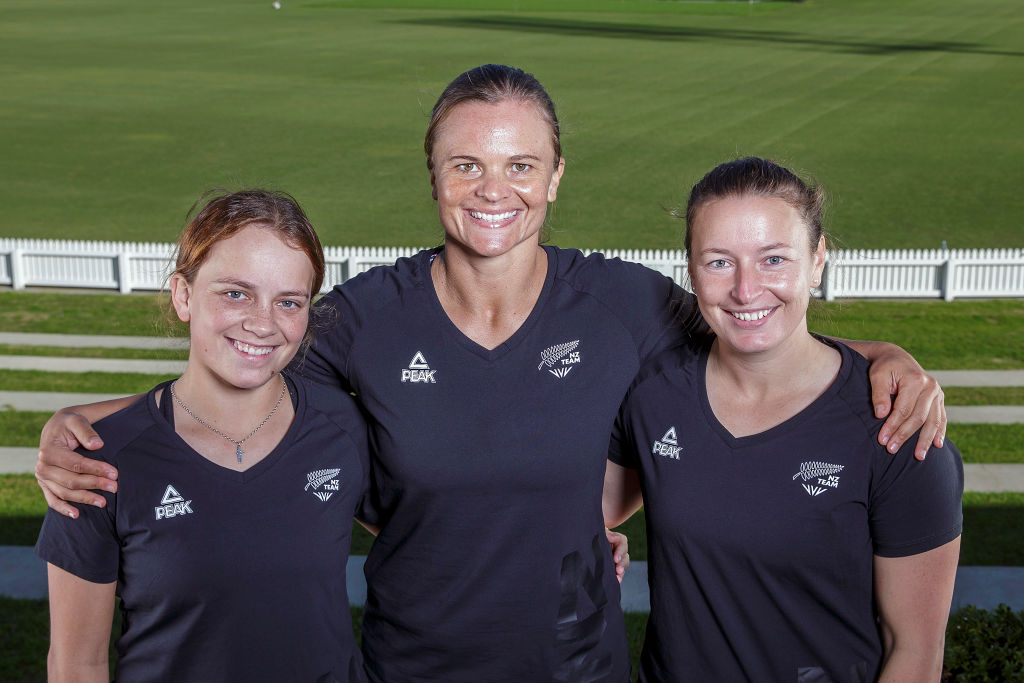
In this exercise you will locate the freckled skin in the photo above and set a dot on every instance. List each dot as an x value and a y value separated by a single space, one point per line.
750 255
253 289
494 173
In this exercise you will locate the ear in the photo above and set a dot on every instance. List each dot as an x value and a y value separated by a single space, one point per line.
433 185
181 297
819 261
556 178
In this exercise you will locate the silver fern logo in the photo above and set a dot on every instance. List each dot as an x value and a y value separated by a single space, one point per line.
560 359
825 475
325 481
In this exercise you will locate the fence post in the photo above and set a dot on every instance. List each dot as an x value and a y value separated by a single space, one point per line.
17 269
948 271
826 291
124 284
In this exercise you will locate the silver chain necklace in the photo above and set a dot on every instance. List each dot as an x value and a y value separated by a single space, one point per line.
238 442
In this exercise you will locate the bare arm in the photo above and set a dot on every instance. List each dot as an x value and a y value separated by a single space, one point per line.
64 475
621 496
372 528
80 616
913 595
919 404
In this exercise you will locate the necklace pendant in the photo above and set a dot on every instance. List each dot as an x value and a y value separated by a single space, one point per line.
239 452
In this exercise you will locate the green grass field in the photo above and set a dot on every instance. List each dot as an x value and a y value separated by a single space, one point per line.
968 334
117 114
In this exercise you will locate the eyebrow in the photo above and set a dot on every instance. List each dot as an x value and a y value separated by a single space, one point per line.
514 157
767 247
245 284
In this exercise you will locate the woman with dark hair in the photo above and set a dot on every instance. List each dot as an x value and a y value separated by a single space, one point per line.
491 369
228 540
785 542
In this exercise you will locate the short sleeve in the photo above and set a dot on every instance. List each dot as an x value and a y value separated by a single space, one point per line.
658 313
915 506
322 365
621 448
87 547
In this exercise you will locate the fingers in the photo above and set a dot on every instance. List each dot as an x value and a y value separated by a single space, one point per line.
67 485
620 552
933 433
56 503
66 477
56 462
882 389
72 429
919 404
621 567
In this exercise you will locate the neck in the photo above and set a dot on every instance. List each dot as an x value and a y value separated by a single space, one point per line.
231 408
766 374
488 299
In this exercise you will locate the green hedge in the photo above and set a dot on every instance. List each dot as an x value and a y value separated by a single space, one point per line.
983 645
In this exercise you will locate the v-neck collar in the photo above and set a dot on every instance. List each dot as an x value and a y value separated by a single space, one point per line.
516 337
783 428
248 474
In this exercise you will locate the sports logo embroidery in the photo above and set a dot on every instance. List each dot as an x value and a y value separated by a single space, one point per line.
825 473
564 355
172 504
325 481
668 445
418 370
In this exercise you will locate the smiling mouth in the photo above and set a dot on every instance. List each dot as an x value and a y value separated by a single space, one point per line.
493 217
250 349
751 316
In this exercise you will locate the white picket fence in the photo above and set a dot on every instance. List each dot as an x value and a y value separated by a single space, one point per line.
905 273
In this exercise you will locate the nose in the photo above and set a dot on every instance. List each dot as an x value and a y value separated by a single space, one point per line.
746 285
260 321
493 186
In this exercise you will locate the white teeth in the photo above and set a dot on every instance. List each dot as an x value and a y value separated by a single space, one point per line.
752 315
492 217
253 350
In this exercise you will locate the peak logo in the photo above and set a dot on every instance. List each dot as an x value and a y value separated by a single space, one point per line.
419 371
172 504
668 445
560 359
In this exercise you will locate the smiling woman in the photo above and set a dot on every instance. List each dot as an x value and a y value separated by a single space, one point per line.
490 369
847 554
215 466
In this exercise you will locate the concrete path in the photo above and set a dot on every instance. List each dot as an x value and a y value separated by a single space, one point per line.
23 575
988 478
62 364
985 414
952 378
53 401
48 401
979 378
92 341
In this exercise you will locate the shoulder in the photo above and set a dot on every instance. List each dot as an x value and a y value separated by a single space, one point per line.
335 411
672 375
378 285
601 274
853 389
126 427
365 302
644 301
685 359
